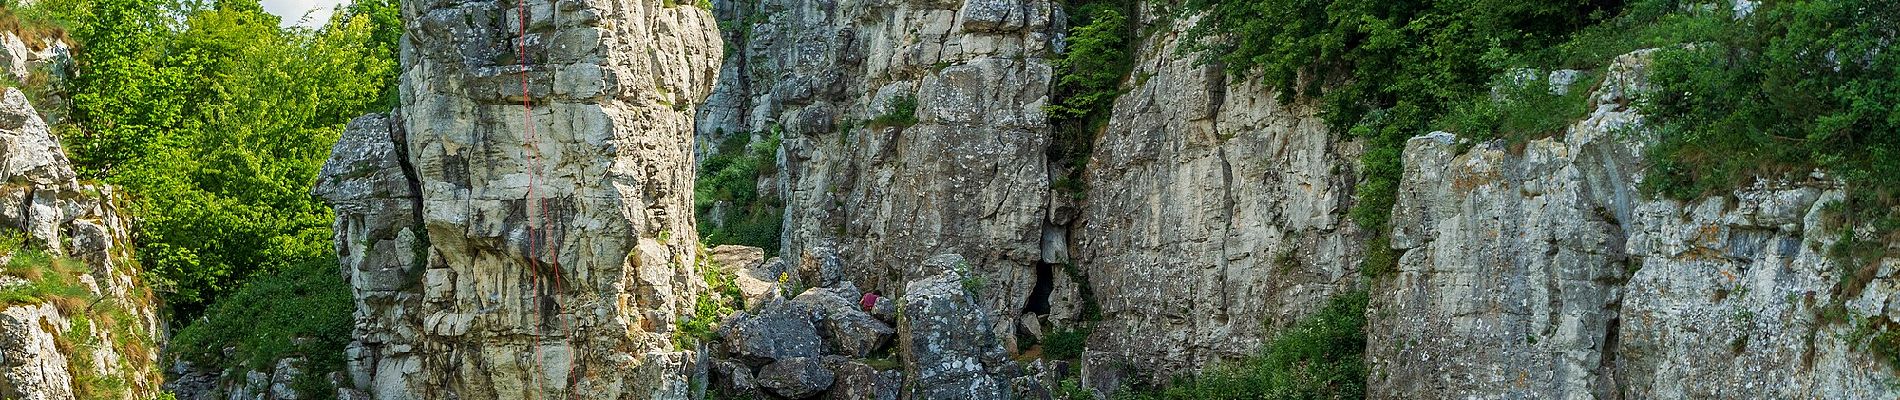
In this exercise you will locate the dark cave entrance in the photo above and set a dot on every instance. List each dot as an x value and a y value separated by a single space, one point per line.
1039 295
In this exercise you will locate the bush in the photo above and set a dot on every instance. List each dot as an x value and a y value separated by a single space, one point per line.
1794 87
1097 57
304 311
723 297
1066 344
1321 357
900 112
215 121
731 177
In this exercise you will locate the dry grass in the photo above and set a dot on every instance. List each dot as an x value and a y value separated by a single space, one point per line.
35 33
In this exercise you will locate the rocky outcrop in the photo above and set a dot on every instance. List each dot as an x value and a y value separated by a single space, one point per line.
950 351
1542 272
57 345
968 176
522 225
1215 214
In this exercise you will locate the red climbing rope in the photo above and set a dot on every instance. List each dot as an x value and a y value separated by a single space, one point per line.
533 153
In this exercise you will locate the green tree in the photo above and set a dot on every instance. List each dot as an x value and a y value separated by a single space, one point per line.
216 121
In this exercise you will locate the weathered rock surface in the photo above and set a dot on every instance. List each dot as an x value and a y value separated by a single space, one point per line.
779 330
970 177
949 348
44 346
857 381
796 378
1215 214
1543 273
843 325
498 252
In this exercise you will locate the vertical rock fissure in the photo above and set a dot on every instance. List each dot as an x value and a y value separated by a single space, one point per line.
1038 302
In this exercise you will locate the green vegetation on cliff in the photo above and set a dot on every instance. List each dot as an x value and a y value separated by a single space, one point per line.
303 312
1320 357
94 322
1097 58
216 121
726 197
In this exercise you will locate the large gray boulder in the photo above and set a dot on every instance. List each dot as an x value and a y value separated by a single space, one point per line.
778 330
28 152
858 381
845 329
796 378
734 380
949 350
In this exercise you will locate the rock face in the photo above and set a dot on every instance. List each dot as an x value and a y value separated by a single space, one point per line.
970 176
1215 213
1542 273
950 352
48 343
498 252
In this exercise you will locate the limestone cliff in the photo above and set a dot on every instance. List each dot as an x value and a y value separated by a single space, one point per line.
969 175
498 252
1215 214
1542 272
501 253
76 322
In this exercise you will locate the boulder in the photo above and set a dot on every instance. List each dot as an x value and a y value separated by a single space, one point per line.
821 267
949 348
759 281
796 378
846 329
734 258
858 381
734 380
778 330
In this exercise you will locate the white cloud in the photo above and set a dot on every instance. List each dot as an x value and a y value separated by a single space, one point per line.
293 11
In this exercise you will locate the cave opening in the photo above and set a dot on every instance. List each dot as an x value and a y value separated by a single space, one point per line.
1039 295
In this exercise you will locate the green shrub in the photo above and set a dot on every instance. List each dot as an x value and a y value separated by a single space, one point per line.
1097 58
731 177
1523 108
900 112
1066 344
215 121
1794 87
1321 357
304 311
723 297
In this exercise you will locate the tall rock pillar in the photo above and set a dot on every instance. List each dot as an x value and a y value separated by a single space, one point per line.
522 226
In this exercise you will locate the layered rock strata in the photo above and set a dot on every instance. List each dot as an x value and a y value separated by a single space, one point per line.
521 226
53 344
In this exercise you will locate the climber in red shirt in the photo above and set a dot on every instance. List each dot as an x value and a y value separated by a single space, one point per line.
869 301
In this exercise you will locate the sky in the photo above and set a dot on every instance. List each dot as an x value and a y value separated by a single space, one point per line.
293 10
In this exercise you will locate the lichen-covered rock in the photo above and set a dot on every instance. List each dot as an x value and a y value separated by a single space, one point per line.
949 348
1545 273
1215 214
845 328
778 330
535 236
796 378
31 367
857 381
969 176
